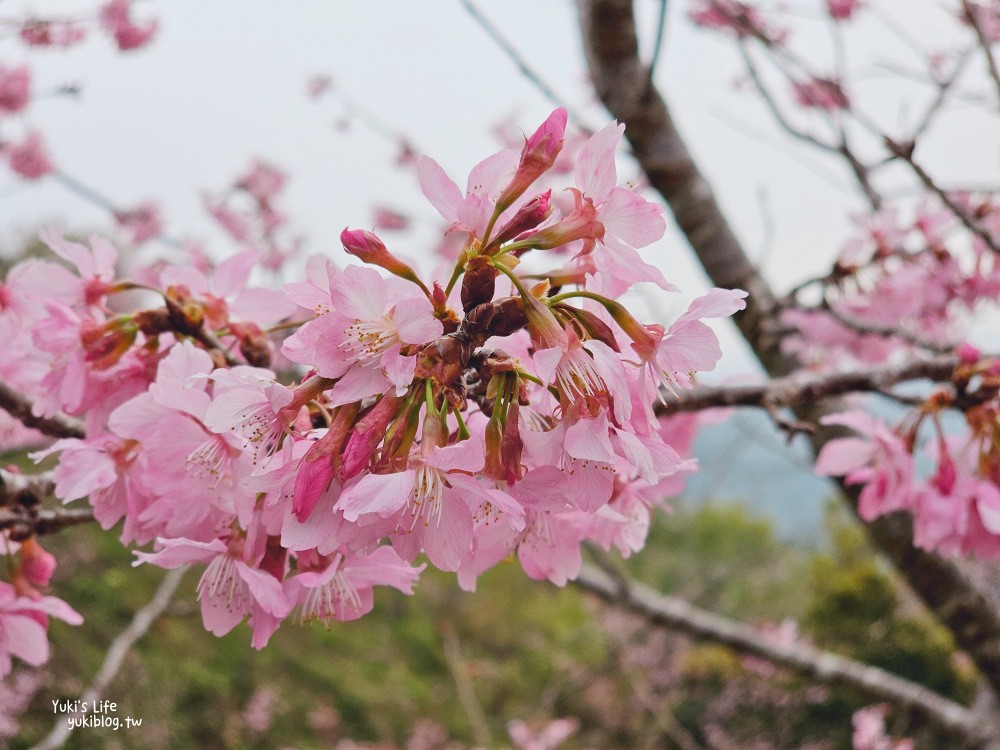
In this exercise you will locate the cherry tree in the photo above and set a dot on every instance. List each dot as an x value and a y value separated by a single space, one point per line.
503 396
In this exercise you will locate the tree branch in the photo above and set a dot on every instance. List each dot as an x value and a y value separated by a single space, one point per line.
115 656
22 522
797 391
984 43
823 666
611 49
19 406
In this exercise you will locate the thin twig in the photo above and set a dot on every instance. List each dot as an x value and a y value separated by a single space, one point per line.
463 684
115 656
874 329
823 666
984 43
20 407
905 152
519 60
661 27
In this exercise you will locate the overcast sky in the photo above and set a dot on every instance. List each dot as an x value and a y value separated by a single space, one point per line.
225 80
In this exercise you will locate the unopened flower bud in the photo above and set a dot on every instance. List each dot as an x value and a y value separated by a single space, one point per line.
370 249
368 433
104 344
37 565
581 224
968 354
529 216
538 155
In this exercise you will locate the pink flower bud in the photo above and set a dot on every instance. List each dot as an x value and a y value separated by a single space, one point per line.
968 354
370 249
538 155
29 158
581 224
105 344
529 216
15 89
37 565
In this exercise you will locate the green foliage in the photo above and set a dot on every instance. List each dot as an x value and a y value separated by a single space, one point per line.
531 651
856 608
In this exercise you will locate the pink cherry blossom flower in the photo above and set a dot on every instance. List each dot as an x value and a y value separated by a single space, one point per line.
472 212
318 84
45 33
361 340
429 502
23 626
116 19
387 218
820 93
671 356
738 18
630 221
342 588
263 181
143 222
15 89
95 265
230 589
879 460
28 157
226 294
843 10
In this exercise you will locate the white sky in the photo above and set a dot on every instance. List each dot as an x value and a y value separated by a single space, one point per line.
224 82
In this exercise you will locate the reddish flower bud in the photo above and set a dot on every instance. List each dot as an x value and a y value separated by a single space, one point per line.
968 354
529 216
581 224
104 344
367 434
317 468
538 155
370 249
37 565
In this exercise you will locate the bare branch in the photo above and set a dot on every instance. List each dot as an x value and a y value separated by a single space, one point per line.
115 656
905 153
795 391
984 43
823 666
22 522
19 406
519 60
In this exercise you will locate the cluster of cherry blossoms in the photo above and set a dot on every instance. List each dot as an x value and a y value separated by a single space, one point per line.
484 414
25 152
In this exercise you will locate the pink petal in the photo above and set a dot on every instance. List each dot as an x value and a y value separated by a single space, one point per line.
383 494
415 322
596 173
438 188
